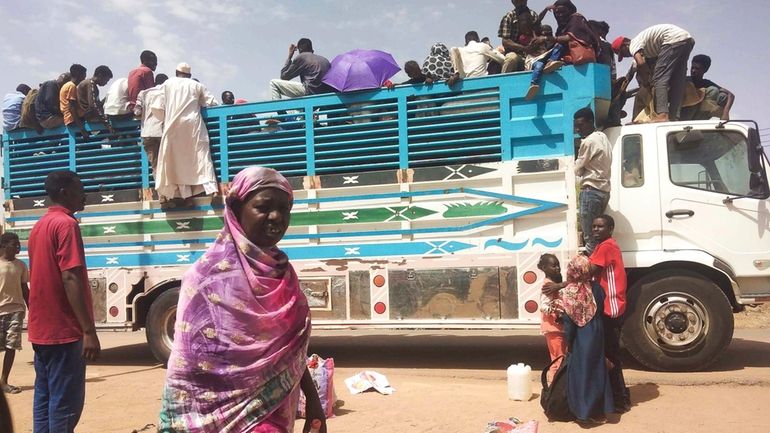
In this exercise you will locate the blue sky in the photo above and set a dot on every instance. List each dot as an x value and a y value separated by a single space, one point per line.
240 45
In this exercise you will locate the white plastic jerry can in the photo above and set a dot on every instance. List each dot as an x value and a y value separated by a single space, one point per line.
519 382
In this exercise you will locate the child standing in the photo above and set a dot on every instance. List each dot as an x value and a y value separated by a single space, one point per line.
551 308
14 294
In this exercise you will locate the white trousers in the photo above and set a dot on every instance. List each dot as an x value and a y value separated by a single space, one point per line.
286 89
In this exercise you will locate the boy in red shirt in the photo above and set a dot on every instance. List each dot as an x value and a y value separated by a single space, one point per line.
608 269
61 320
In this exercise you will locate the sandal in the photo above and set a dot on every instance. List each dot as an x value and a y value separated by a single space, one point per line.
532 92
10 389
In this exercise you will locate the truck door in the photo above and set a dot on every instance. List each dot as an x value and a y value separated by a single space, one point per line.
635 198
699 169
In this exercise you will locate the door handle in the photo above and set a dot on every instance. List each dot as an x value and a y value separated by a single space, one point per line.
679 212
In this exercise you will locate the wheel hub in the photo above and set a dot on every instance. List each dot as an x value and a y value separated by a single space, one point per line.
676 321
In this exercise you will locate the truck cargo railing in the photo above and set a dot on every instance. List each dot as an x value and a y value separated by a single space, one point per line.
478 120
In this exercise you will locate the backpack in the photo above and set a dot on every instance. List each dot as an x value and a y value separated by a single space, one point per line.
553 399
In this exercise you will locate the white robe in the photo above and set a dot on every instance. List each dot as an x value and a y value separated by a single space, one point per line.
184 160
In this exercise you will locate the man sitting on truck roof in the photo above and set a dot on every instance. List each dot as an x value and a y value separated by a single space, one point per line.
12 107
592 166
68 99
228 98
116 100
515 53
717 94
90 106
308 66
413 71
47 108
471 60
604 56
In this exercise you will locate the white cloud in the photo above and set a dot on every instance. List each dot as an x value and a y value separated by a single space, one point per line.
212 16
155 36
88 29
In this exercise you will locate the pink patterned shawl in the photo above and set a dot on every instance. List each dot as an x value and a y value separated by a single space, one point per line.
577 298
242 329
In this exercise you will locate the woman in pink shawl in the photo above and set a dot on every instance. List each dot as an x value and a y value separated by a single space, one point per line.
589 393
243 324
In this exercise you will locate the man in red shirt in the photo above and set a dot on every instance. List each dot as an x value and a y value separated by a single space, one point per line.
142 77
608 269
61 319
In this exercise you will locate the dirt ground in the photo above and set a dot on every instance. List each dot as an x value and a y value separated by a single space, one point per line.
757 316
445 383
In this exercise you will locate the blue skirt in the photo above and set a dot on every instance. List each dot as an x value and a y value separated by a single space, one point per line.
589 393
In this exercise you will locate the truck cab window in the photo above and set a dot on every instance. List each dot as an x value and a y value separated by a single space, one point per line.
633 167
709 160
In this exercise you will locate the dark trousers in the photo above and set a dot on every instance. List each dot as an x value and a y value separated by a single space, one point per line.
60 387
620 393
592 203
669 77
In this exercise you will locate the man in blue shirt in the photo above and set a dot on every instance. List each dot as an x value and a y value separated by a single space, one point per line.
12 107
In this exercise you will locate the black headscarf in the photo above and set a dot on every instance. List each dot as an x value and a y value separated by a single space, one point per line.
567 4
576 26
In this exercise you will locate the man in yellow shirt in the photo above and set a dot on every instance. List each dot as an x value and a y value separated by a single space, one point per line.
68 99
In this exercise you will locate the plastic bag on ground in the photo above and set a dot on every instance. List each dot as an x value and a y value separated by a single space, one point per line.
322 372
367 380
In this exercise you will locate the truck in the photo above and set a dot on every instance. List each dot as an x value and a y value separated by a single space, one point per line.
428 207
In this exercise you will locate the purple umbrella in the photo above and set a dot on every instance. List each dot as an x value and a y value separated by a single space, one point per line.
361 69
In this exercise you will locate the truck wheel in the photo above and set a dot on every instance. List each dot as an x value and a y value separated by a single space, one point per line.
677 321
160 324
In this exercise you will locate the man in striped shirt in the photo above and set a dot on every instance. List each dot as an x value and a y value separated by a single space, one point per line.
608 269
661 53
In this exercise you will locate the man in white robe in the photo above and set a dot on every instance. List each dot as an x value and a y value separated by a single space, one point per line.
185 168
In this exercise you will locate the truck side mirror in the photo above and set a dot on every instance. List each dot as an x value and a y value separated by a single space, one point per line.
758 178
755 151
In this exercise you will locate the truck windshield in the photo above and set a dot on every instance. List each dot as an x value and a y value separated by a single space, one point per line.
710 160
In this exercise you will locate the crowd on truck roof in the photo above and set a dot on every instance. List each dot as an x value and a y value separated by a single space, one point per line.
174 137
204 393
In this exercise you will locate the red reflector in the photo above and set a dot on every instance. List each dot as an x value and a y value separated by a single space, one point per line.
379 280
529 277
114 311
379 308
530 306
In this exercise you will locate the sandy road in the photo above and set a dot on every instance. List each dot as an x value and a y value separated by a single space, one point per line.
448 383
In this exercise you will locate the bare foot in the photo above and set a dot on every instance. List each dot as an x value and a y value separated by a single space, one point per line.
661 117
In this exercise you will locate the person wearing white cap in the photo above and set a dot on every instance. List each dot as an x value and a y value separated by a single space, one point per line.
185 168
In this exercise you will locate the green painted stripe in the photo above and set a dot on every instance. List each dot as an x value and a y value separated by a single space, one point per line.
298 219
153 227
464 210
353 216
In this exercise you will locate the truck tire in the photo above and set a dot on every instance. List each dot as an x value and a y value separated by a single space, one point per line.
677 321
160 324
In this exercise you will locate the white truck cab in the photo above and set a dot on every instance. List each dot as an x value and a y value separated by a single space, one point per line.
692 210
